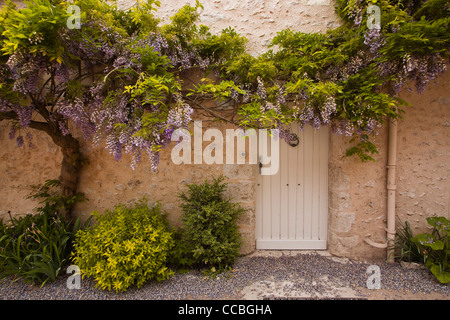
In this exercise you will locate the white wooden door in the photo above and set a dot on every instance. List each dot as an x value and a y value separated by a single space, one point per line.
292 205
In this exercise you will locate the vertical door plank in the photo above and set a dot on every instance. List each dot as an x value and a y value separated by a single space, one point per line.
301 185
275 198
266 208
315 186
293 185
266 199
323 223
284 189
308 181
258 206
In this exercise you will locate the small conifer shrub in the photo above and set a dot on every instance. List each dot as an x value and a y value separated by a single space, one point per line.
210 225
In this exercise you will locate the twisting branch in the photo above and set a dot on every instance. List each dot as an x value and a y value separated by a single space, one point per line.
38 125
197 101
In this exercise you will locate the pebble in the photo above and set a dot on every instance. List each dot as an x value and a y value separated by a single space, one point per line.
295 274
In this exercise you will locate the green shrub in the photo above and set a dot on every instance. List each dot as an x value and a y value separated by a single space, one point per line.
37 247
405 248
435 248
51 199
210 225
431 249
128 245
180 257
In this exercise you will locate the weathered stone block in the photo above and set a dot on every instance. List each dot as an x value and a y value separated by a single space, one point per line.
341 246
342 222
339 200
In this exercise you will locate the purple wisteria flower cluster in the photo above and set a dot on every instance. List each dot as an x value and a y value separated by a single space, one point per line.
374 39
25 70
308 115
105 112
423 69
420 69
181 57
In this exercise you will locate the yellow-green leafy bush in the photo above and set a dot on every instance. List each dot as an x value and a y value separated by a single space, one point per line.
128 245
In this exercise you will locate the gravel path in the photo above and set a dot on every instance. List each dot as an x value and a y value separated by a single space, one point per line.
264 275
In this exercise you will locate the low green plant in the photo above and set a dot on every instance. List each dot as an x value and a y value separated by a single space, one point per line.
127 245
431 249
180 258
51 199
210 228
37 247
404 248
435 248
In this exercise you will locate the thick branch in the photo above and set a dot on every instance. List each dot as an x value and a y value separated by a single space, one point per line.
38 125
211 112
10 115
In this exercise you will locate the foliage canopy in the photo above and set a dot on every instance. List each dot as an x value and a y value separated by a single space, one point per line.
121 75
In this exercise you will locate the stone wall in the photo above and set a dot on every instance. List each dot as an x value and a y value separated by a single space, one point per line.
423 179
258 20
357 207
107 183
21 168
357 191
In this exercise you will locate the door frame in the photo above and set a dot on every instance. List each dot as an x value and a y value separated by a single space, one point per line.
278 225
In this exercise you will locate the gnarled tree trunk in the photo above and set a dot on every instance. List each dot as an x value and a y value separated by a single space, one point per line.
72 157
70 171
70 168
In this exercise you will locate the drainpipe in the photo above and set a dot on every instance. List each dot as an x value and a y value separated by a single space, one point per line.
391 190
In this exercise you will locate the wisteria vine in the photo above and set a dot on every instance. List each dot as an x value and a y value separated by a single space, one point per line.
120 77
